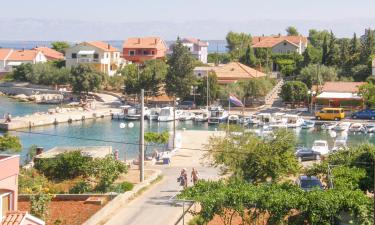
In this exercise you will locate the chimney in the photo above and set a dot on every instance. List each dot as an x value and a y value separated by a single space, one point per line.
156 40
109 46
139 40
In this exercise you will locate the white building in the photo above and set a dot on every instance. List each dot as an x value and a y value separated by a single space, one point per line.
198 48
10 58
101 55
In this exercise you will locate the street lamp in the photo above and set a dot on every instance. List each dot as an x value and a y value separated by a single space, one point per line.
193 91
123 126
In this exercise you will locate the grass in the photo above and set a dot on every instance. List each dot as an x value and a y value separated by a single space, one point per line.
142 190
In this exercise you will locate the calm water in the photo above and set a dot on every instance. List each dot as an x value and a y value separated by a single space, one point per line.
109 131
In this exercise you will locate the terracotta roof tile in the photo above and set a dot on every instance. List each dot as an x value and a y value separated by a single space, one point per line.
343 87
236 71
102 45
195 41
13 218
145 42
4 53
23 55
270 41
50 53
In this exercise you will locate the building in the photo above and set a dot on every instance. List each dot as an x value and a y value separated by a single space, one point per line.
229 73
373 67
51 54
198 48
138 50
281 44
10 58
101 55
340 94
9 170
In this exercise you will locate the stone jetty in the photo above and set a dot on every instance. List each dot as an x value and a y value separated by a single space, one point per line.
56 116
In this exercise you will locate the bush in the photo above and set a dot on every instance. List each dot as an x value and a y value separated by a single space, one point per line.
81 187
122 187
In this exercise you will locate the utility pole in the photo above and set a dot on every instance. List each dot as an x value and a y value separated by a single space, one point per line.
174 123
142 139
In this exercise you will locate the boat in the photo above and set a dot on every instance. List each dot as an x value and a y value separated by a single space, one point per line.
264 119
244 120
307 124
343 126
370 128
293 121
201 117
321 147
329 125
154 114
357 127
340 144
234 119
166 114
121 115
134 113
185 116
278 117
217 115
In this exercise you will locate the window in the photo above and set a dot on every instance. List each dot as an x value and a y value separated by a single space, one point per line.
74 55
152 52
5 204
96 56
330 111
145 52
131 52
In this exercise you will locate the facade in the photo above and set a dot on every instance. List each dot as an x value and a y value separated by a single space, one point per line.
101 55
198 48
10 58
138 50
281 44
51 54
229 73
9 170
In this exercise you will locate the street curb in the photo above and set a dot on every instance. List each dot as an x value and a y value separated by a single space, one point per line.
102 216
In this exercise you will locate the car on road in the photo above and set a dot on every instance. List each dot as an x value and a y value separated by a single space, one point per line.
330 114
187 105
306 154
364 114
308 183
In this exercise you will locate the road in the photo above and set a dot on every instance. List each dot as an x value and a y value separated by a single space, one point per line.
154 207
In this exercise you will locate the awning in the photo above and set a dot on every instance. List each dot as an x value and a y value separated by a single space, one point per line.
14 63
339 95
86 52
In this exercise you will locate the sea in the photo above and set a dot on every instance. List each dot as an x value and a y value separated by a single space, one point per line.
218 46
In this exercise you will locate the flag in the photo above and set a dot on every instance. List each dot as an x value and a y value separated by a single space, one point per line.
235 101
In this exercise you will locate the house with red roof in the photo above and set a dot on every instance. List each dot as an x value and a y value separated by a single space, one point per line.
104 57
197 47
10 58
140 49
281 44
51 54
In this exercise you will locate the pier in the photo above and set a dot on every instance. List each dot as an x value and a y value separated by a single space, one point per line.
54 117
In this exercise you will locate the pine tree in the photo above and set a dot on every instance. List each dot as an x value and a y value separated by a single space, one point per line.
307 59
332 51
368 47
249 58
354 51
325 50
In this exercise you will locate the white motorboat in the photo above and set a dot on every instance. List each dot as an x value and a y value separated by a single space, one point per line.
264 119
166 114
245 120
154 114
121 115
307 124
217 115
370 128
357 127
201 117
340 144
321 147
234 119
134 113
343 126
293 121
329 126
185 116
278 117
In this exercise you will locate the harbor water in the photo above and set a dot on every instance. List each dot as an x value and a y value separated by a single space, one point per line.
107 132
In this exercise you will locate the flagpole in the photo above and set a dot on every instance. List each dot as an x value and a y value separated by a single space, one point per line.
228 113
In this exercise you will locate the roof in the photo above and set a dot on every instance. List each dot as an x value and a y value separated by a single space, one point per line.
4 53
195 41
235 71
342 87
271 41
19 217
338 95
23 55
50 53
145 42
103 46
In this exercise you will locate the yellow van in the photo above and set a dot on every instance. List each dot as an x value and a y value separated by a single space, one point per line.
330 114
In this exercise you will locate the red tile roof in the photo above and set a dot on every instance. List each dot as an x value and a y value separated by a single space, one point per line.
13 218
23 55
4 53
236 71
103 46
345 87
145 42
195 41
270 41
50 53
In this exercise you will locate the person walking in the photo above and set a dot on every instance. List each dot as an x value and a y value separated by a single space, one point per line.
183 178
194 176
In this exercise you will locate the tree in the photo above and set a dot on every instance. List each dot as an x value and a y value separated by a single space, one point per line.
237 43
180 77
354 50
131 76
264 57
368 46
367 91
324 51
84 78
316 37
259 87
218 58
10 143
39 202
332 54
213 88
317 74
60 46
152 76
294 91
22 72
249 57
344 54
291 31
311 55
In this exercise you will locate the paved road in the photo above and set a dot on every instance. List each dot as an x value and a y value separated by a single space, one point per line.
154 206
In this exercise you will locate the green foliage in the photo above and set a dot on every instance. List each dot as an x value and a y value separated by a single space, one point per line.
367 91
180 77
60 46
10 143
213 89
249 58
317 74
291 31
39 203
218 58
81 187
115 83
30 180
157 138
237 44
84 78
254 159
64 166
258 87
368 46
311 55
294 91
316 37
22 72
31 153
122 187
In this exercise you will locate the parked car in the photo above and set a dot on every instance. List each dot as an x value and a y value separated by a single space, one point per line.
306 154
364 114
308 183
330 114
187 105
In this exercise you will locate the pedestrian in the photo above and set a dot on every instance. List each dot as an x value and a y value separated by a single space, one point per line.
194 176
8 118
183 178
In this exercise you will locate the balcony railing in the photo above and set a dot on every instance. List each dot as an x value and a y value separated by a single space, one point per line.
88 60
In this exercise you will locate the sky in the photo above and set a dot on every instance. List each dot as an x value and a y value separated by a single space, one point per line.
206 19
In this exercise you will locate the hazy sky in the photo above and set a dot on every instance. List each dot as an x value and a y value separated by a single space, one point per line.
187 10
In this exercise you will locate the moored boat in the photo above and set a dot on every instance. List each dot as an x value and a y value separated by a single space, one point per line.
217 115
307 124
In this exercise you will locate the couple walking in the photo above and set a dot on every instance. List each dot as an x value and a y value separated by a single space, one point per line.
183 179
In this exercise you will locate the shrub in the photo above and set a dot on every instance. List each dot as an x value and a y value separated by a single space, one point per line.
122 187
81 187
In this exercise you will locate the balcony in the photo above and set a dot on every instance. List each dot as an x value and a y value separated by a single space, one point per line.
88 60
